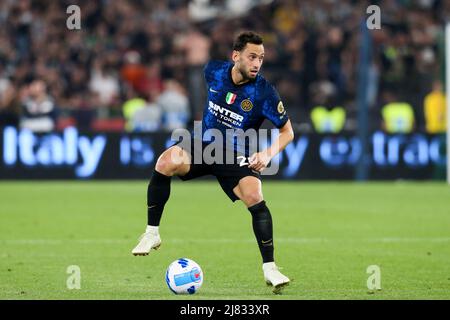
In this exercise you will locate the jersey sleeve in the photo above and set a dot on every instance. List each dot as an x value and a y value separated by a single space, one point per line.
210 69
273 108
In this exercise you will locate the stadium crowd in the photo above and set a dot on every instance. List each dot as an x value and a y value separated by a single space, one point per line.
137 65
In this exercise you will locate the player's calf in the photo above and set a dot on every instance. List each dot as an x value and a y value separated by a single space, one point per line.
263 230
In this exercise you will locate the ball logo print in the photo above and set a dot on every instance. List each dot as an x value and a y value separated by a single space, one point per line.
183 262
184 276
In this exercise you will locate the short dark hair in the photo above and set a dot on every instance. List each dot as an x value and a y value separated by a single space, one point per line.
246 37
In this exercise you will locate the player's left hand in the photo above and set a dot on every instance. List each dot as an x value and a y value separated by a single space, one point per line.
258 161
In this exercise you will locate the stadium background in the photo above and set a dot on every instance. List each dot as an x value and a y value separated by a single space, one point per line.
136 66
101 102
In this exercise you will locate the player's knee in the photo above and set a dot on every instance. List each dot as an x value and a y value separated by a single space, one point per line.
165 165
252 198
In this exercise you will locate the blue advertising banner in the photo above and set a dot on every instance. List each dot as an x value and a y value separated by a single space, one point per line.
78 155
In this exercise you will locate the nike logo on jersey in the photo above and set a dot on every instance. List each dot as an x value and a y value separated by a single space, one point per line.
212 90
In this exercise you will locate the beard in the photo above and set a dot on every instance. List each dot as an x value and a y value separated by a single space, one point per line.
246 74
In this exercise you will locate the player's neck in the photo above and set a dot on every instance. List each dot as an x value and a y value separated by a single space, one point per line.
237 77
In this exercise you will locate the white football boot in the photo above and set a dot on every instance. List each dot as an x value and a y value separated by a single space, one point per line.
274 277
148 241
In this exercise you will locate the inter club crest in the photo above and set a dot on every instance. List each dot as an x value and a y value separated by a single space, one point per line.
246 105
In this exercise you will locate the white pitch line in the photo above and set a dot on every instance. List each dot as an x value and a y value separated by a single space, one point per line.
224 240
399 240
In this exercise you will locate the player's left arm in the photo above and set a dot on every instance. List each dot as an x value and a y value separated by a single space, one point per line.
274 111
259 161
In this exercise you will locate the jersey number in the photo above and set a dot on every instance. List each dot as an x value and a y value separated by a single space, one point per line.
243 161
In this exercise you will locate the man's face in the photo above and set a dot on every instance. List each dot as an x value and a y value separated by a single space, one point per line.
37 88
249 60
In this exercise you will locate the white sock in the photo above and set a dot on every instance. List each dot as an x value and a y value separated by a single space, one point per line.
269 265
152 229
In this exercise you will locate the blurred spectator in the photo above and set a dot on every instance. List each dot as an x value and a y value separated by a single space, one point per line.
150 82
175 105
38 108
82 110
334 48
141 44
130 107
147 118
326 114
435 109
328 120
286 17
9 104
196 47
104 82
133 71
398 116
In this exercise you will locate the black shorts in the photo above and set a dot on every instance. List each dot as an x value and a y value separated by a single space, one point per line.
228 174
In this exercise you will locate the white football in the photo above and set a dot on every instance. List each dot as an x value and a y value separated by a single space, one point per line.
184 276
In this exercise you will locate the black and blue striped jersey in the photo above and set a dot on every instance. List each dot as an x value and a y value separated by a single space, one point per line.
244 106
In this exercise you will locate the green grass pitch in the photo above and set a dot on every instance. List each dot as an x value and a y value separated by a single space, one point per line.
326 236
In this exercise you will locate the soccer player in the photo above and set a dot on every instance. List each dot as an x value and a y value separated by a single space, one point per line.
238 98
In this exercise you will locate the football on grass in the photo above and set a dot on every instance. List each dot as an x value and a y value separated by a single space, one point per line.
184 276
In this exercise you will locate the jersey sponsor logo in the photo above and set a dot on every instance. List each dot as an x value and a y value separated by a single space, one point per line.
280 107
212 90
225 114
230 98
246 105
